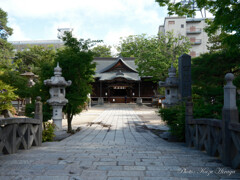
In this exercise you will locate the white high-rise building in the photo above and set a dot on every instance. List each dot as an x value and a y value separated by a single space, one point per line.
193 28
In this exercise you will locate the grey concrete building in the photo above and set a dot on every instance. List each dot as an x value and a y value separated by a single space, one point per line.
21 45
193 28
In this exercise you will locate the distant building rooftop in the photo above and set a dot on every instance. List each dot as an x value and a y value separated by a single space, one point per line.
36 42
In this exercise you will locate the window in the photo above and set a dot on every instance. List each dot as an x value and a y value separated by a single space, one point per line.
168 91
182 25
192 29
171 22
192 39
193 53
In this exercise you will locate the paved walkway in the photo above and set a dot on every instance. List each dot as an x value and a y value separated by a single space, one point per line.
114 146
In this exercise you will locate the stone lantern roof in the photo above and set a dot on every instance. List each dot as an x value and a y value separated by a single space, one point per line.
57 79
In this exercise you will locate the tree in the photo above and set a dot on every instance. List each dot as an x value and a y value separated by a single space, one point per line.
6 49
154 54
40 60
76 61
18 82
226 15
208 72
7 92
216 42
5 31
6 96
32 58
102 51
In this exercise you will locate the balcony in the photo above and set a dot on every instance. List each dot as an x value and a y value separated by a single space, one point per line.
193 30
195 41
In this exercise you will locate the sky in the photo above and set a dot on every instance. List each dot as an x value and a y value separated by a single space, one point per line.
106 20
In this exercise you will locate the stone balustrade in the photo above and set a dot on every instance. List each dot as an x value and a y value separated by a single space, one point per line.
219 138
21 133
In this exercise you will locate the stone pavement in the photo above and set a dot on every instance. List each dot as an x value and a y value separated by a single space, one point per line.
114 146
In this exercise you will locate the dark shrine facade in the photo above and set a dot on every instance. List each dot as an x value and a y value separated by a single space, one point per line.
117 81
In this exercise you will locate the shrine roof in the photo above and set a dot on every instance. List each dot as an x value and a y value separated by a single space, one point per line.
107 69
103 64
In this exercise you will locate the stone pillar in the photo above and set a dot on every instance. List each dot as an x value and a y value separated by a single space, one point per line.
57 116
100 101
229 114
188 118
139 99
184 71
39 115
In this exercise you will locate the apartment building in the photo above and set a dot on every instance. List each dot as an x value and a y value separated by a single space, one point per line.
193 28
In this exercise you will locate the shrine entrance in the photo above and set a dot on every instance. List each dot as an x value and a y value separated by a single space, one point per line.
119 93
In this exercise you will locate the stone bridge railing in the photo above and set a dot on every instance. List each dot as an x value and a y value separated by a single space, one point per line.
21 133
217 137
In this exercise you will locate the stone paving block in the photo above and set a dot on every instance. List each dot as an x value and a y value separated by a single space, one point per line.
51 177
126 173
63 172
162 178
123 178
7 177
126 163
107 168
159 168
161 173
113 163
92 175
75 177
149 163
134 168
108 159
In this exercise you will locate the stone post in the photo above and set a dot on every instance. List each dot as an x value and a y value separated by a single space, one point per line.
188 118
39 115
229 114
184 71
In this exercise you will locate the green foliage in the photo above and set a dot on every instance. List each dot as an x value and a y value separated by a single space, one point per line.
33 58
48 132
154 54
6 96
43 67
102 51
208 72
175 118
6 48
76 61
226 15
5 31
216 42
17 81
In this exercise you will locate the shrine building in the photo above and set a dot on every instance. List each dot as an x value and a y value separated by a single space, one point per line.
117 81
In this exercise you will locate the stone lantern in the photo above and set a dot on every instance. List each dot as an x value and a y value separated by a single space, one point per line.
171 88
57 85
30 76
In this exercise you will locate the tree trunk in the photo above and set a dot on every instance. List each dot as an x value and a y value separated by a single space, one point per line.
69 120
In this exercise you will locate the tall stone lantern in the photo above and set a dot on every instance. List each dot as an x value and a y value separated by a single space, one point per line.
57 85
171 88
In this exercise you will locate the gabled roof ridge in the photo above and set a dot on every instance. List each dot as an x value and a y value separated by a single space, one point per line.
119 59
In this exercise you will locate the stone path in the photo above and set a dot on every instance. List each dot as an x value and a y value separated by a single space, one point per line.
114 146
